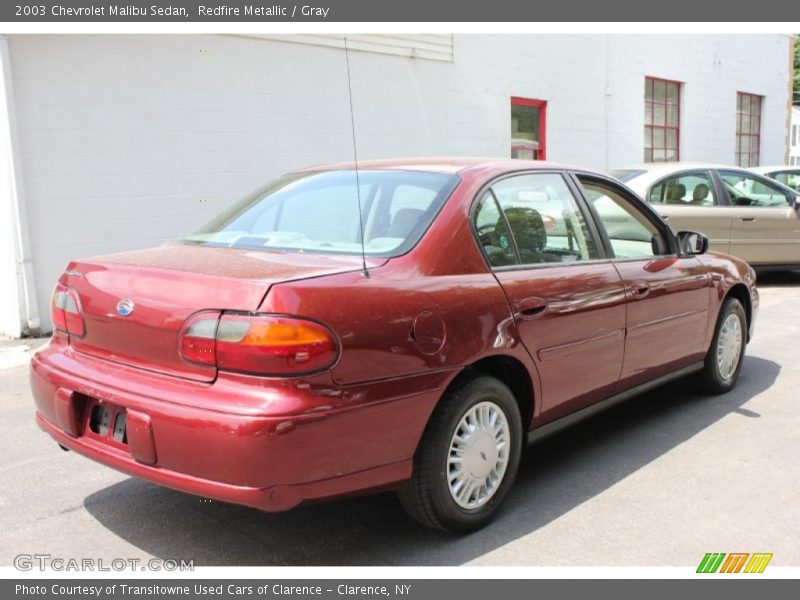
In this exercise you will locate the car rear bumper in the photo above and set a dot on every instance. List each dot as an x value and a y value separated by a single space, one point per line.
261 443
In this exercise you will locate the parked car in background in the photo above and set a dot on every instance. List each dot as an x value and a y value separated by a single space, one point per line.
789 176
743 213
273 358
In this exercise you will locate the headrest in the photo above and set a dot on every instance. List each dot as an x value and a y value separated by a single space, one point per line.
676 192
700 192
528 228
404 222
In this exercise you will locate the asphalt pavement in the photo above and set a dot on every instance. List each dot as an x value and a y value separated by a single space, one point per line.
659 480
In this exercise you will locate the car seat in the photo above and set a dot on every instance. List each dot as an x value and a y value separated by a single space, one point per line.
529 232
675 193
700 194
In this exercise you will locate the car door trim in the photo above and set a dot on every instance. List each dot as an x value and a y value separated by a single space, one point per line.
582 345
647 328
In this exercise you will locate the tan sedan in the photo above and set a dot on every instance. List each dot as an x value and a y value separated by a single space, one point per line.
742 213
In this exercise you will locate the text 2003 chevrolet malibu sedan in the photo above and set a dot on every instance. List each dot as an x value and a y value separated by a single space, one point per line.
257 362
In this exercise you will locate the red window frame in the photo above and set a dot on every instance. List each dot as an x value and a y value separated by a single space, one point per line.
753 137
658 128
542 106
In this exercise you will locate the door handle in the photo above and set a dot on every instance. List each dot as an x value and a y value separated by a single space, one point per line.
640 289
748 219
531 307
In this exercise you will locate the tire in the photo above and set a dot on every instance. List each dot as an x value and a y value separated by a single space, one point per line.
427 496
719 375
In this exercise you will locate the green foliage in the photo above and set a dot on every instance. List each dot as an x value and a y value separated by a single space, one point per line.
797 69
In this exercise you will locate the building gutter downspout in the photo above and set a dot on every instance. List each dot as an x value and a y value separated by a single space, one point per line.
29 311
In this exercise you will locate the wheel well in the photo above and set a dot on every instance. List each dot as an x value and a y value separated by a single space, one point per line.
510 371
742 294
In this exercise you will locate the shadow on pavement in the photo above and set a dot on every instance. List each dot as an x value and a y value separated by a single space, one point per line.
556 476
778 278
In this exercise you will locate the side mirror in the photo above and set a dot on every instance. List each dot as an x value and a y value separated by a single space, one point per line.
692 243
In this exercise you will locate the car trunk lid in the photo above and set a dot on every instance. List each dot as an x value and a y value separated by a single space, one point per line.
166 285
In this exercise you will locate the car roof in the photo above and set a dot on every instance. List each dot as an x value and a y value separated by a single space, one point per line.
450 165
650 172
671 167
773 168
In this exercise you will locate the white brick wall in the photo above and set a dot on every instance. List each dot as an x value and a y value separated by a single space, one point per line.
128 141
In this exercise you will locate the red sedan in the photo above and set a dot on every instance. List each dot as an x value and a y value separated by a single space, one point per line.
408 325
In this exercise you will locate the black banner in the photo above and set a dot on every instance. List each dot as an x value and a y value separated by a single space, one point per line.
412 589
187 11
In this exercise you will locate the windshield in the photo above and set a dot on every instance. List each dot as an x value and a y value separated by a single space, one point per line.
626 174
318 212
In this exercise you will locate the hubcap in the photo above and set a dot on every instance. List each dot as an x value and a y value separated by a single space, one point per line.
478 455
729 346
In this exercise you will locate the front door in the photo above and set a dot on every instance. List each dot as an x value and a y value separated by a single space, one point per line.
667 295
766 228
568 305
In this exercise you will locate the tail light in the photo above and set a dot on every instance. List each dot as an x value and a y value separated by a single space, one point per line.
259 344
66 312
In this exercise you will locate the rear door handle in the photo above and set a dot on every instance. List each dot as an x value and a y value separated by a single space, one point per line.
748 219
531 307
640 289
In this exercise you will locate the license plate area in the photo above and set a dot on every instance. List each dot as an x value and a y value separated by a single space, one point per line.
107 422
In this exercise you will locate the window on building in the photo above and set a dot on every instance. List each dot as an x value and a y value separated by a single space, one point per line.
748 129
528 128
794 135
662 111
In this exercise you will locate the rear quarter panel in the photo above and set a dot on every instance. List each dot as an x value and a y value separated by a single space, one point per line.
436 308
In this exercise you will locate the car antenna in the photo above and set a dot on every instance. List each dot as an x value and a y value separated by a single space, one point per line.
355 160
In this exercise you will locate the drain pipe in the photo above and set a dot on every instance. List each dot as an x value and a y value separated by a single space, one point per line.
30 317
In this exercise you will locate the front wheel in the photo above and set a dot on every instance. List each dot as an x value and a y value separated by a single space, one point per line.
467 459
724 360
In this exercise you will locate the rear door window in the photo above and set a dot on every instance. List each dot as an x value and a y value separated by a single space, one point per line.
533 219
685 189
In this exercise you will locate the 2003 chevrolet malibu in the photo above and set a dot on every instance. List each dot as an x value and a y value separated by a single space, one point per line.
272 358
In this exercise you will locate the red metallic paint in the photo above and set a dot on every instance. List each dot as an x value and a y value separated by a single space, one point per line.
405 333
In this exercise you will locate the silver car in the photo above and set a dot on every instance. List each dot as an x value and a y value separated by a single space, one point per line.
741 212
786 175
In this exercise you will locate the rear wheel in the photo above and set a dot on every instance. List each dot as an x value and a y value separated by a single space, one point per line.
467 459
724 360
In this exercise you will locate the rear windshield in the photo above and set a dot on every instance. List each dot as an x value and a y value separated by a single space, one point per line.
626 174
318 212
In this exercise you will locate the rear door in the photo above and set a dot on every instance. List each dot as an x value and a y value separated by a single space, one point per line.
568 301
667 296
766 228
690 200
